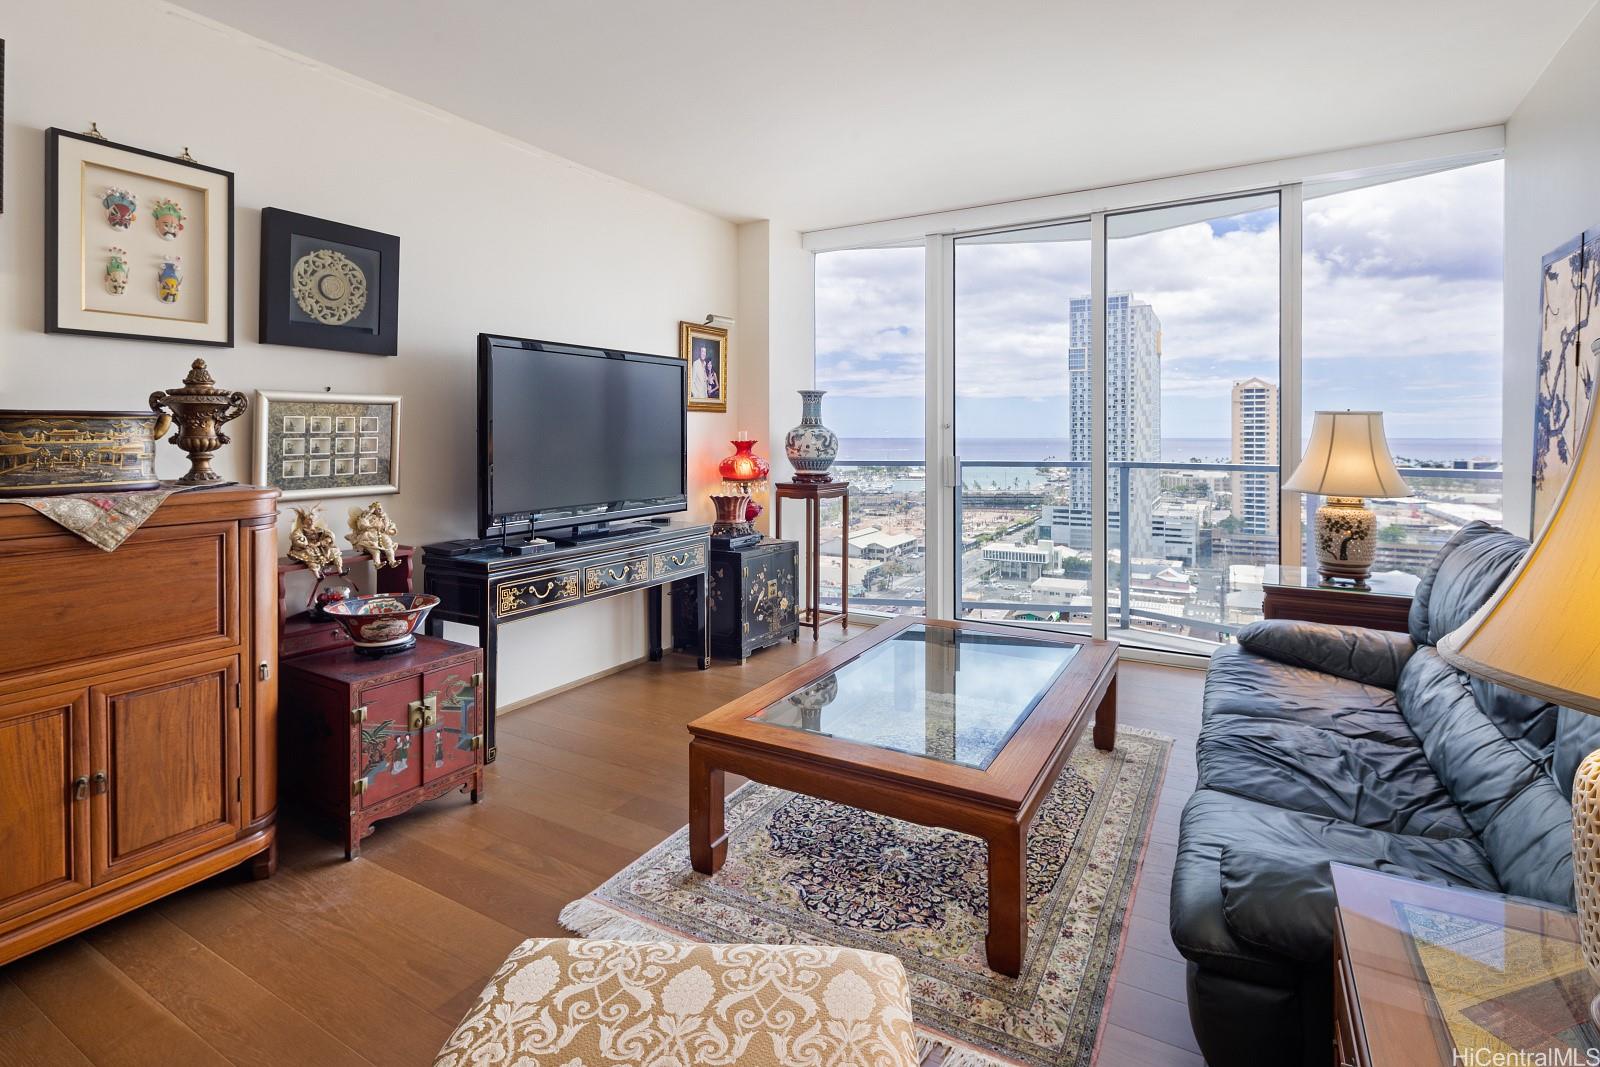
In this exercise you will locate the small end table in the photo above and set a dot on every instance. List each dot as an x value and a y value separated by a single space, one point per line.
814 493
1298 593
1429 973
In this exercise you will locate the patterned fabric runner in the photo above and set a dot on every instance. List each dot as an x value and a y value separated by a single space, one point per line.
105 520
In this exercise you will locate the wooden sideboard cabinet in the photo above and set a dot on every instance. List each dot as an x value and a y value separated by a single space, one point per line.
138 710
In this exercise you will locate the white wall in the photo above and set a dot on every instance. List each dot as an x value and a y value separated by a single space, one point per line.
495 236
1552 195
777 327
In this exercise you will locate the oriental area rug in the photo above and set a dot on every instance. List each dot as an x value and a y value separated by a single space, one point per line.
807 871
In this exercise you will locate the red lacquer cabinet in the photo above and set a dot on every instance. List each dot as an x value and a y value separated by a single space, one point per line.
363 739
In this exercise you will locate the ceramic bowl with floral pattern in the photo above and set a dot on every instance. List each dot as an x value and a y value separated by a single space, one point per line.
381 623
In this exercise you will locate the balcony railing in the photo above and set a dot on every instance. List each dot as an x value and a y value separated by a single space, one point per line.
1124 613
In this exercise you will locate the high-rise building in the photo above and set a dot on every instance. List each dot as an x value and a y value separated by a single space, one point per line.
1133 416
1255 440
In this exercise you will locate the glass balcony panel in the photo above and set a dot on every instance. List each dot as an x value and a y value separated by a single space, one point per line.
871 360
1023 392
1192 470
888 548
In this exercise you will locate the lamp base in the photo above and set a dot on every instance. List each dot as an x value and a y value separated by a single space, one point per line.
1586 864
1346 537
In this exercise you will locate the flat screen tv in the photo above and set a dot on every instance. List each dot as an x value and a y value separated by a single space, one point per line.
577 437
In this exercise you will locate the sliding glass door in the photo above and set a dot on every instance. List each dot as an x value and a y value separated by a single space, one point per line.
1022 425
1191 419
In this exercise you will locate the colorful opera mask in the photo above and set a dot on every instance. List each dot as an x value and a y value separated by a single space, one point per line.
120 208
169 279
168 218
116 271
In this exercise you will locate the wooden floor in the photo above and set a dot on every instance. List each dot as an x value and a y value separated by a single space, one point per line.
374 961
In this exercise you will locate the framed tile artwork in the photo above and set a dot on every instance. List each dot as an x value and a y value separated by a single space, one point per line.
327 444
328 285
137 244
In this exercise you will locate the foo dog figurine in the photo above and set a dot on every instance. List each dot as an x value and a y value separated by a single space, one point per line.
372 532
312 543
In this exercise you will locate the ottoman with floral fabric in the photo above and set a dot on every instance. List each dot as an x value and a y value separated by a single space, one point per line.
559 1002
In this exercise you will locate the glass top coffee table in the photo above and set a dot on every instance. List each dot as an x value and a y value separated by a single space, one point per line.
953 724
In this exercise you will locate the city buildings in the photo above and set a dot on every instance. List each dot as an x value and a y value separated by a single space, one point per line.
1255 440
1181 530
1133 415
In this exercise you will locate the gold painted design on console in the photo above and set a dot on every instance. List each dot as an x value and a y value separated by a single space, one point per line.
536 593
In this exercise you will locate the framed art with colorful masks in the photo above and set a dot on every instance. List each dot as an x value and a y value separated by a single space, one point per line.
137 244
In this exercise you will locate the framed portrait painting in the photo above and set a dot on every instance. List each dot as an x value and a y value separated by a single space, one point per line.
705 348
137 244
313 445
328 285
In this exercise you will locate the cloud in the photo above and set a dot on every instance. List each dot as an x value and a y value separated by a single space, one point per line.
1401 290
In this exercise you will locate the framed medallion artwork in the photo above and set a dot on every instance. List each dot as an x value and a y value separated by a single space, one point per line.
327 444
137 244
705 348
328 285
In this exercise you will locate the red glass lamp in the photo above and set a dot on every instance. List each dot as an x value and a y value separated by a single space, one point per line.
743 471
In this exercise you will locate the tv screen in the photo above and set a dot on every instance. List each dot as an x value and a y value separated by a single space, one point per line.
574 435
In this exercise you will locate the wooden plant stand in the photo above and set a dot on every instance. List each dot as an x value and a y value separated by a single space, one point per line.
812 614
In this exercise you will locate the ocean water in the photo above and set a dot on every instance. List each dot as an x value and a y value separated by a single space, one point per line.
1173 449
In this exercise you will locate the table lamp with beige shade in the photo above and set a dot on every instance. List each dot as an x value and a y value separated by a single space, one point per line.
1347 459
1539 635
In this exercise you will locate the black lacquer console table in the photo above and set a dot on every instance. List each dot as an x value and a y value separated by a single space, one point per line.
487 588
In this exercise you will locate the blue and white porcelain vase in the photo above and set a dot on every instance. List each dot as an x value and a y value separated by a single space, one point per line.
811 446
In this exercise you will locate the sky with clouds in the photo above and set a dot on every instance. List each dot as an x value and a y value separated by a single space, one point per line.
1401 313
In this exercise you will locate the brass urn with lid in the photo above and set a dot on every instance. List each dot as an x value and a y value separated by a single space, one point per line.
199 408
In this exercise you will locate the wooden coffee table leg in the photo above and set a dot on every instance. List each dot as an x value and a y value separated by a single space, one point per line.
1008 907
1105 719
708 842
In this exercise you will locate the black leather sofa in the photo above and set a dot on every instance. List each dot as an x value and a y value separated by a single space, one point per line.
1322 743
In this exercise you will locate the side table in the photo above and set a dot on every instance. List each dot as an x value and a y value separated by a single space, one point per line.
364 739
1298 593
814 493
752 595
1427 973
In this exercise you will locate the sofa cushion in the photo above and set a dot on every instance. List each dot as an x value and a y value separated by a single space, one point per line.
1215 822
1241 683
1470 567
1506 793
1373 657
1316 743
1283 903
1577 735
570 1001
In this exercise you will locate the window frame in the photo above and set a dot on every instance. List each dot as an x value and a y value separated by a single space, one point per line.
1307 177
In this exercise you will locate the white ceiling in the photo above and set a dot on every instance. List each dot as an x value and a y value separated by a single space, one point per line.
825 112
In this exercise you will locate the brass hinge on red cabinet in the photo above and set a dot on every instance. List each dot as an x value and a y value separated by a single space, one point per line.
358 714
358 787
477 679
476 742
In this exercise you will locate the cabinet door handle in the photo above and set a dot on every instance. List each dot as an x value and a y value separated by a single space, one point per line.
80 787
99 782
423 713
